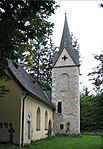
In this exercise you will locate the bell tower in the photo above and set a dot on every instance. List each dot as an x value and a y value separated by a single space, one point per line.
65 86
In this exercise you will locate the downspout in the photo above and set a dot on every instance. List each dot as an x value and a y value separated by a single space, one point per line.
23 108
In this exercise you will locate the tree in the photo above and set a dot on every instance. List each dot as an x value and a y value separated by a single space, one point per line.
42 66
99 110
22 22
42 61
91 112
85 92
97 81
75 42
97 74
85 113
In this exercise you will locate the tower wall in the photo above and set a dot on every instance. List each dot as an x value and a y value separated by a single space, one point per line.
65 89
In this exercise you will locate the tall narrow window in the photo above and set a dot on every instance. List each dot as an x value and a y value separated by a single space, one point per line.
50 127
68 126
38 119
46 120
59 107
29 125
64 82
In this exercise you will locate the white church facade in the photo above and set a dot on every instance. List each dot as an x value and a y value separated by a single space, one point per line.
30 112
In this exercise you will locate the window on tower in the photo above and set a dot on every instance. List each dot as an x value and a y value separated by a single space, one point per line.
61 126
64 81
59 107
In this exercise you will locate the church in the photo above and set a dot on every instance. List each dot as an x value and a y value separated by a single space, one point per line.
27 112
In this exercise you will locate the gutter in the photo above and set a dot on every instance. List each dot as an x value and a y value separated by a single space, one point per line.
23 108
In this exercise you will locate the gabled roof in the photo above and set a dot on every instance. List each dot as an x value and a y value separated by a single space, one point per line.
28 84
66 42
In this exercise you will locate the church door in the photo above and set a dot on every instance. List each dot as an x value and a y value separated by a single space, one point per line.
50 125
49 128
29 126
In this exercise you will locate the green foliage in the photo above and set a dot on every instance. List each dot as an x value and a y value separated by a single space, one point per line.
3 90
20 23
24 25
75 42
99 110
91 113
86 114
85 92
26 57
97 74
84 142
42 63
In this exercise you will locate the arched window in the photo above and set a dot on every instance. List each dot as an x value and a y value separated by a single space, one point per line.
29 125
46 120
64 81
59 108
38 116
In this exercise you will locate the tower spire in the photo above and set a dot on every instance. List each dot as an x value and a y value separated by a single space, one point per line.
66 37
66 43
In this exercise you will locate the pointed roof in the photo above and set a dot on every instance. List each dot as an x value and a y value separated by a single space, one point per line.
66 37
66 42
28 84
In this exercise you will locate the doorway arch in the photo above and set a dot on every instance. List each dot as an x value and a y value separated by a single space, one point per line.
29 119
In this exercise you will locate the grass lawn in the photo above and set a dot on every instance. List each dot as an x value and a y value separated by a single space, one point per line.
84 142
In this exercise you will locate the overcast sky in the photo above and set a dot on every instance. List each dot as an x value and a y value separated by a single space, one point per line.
85 21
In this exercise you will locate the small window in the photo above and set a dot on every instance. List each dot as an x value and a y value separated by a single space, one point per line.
5 125
68 126
61 126
59 107
1 125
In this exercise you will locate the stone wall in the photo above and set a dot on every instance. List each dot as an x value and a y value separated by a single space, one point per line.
69 119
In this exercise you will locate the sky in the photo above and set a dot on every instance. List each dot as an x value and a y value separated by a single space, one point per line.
85 21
